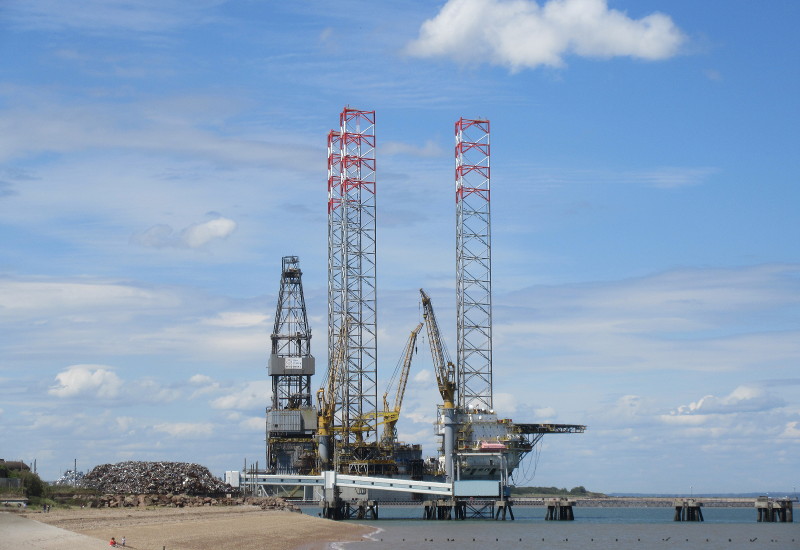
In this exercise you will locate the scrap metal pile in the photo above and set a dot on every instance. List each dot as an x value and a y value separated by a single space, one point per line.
155 478
71 478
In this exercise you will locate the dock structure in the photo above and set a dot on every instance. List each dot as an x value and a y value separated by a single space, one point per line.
688 509
503 507
444 509
471 499
559 509
774 511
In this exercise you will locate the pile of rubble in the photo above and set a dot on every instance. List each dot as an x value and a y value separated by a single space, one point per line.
72 478
155 478
181 501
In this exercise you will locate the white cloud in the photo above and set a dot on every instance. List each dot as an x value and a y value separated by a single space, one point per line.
252 395
186 429
254 423
200 380
742 399
544 414
199 234
522 34
505 403
87 380
196 235
205 385
36 296
126 424
424 376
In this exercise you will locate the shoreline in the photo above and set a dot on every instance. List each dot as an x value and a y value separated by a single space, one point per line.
204 528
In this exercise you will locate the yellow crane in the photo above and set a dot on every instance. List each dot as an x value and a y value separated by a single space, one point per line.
442 365
446 380
327 398
392 414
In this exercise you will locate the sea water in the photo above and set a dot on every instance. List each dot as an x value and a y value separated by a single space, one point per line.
592 529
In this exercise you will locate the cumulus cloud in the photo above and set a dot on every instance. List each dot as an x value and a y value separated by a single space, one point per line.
205 384
424 376
522 34
252 395
196 235
86 380
505 402
743 399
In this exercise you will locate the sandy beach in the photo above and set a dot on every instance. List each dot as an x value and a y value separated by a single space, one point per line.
203 528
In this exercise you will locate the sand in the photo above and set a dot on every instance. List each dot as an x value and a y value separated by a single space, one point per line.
207 528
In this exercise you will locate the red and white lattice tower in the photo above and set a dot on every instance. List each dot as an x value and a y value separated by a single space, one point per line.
473 265
352 269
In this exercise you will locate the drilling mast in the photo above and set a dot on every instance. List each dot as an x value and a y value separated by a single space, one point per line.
291 420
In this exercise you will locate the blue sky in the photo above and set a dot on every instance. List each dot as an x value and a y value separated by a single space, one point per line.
158 158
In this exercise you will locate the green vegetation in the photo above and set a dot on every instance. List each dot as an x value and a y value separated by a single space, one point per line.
31 485
579 491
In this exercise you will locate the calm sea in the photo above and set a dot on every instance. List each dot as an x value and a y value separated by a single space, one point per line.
593 529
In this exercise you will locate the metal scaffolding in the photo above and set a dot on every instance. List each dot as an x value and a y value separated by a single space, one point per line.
352 274
473 265
291 420
291 338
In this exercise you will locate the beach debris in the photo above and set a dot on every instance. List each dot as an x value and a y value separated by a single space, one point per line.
155 478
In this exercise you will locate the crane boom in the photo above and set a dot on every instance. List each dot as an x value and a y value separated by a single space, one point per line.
392 414
327 394
406 368
443 366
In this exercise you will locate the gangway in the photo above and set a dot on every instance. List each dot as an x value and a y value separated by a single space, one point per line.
455 495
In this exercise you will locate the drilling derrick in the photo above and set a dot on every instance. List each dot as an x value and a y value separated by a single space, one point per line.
473 265
291 419
352 289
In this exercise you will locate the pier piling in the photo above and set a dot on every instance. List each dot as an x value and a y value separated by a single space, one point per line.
774 511
559 509
688 509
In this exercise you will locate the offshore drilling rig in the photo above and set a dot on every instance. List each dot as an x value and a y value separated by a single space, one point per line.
349 431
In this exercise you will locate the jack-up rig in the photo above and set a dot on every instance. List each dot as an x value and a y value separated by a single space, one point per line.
348 442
